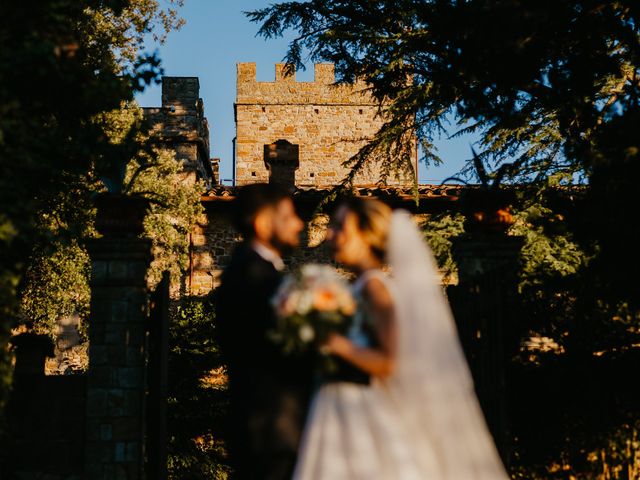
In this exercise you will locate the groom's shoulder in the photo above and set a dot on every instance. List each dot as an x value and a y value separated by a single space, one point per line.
245 261
240 257
241 253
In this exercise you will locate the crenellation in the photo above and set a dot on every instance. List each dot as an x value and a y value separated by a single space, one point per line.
286 90
327 122
281 75
181 94
246 72
323 73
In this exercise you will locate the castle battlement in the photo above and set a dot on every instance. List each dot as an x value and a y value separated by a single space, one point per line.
323 73
301 133
181 125
286 90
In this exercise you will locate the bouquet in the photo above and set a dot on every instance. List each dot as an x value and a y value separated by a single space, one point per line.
309 306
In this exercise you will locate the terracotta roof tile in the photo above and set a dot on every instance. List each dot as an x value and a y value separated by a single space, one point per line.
223 192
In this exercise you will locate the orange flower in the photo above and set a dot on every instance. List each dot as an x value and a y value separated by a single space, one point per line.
199 440
347 304
325 300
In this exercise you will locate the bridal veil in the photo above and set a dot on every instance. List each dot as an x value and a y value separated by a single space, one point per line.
432 384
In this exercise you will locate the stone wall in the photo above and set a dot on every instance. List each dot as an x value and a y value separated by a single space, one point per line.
116 379
212 243
180 125
308 127
328 122
214 239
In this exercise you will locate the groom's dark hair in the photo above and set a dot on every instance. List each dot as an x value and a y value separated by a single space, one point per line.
251 199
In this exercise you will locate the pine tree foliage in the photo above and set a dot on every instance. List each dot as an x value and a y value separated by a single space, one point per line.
439 231
552 90
536 80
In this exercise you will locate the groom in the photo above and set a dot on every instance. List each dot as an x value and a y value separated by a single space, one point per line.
269 394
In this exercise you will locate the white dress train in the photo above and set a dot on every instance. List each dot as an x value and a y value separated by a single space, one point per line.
424 421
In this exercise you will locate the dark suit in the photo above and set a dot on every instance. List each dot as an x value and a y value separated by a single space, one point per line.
269 393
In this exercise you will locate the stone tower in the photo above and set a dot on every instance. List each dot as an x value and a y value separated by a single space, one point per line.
300 132
180 124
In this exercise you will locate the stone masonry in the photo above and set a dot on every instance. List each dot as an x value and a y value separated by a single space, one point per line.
329 123
181 125
213 240
116 382
301 132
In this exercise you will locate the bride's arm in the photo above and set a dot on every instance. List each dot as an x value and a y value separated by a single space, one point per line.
380 361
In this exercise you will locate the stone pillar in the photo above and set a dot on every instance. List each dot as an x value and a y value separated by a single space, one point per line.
485 311
483 253
117 355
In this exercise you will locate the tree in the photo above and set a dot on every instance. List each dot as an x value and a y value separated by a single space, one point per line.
537 80
551 87
62 63
57 279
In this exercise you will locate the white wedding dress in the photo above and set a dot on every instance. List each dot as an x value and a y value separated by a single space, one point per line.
424 421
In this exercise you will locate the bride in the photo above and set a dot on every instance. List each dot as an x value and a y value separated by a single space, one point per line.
417 416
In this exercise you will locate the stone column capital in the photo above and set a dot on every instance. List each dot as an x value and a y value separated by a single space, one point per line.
119 261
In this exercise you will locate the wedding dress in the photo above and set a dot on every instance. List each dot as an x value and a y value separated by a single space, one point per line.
421 423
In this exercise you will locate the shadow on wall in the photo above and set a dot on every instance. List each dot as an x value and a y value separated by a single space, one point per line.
282 159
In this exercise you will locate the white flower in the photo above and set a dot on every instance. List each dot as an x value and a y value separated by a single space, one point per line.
307 334
305 303
289 304
315 274
313 270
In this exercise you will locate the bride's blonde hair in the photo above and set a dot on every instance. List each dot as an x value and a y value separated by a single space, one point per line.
374 219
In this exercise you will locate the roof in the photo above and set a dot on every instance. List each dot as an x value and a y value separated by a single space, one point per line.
442 192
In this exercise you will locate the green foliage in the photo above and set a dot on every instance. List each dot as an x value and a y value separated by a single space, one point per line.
9 278
549 250
56 285
562 282
561 396
576 417
193 339
175 211
57 279
48 92
537 81
62 63
198 397
155 174
123 130
579 397
439 231
122 33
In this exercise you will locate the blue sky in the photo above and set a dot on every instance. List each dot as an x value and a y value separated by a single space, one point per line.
215 37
